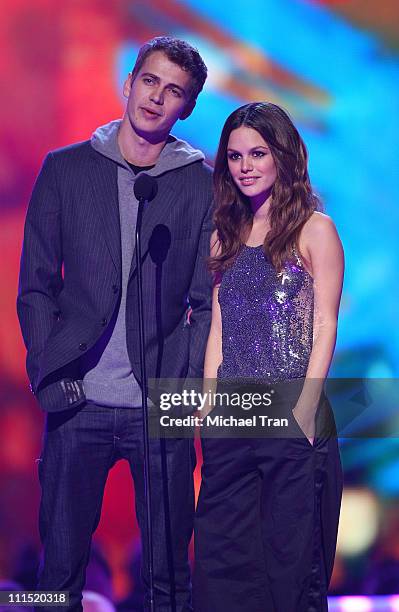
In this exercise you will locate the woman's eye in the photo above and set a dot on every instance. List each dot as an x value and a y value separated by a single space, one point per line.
234 156
259 153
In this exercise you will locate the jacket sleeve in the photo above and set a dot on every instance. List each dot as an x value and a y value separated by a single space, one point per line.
40 280
200 299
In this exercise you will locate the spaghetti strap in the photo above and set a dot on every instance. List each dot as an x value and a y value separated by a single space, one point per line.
296 256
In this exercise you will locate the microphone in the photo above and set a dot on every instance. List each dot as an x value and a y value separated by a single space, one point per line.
145 188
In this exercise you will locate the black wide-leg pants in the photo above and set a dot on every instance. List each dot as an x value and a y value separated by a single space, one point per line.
266 524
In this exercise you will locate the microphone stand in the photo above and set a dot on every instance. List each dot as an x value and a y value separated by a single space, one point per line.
144 395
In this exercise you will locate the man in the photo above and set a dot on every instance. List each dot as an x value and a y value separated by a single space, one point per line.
77 306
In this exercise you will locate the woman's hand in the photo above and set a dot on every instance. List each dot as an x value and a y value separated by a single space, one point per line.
306 421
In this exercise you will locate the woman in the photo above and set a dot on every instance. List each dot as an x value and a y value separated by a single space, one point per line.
268 508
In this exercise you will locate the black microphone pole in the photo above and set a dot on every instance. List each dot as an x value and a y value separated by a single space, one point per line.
145 190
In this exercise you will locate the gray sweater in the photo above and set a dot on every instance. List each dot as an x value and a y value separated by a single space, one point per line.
109 379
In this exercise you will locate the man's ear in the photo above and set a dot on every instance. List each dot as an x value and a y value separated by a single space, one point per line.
188 109
127 85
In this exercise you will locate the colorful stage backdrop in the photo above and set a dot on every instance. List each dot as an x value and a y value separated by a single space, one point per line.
335 67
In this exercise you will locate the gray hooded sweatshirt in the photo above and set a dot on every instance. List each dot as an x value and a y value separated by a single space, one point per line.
109 379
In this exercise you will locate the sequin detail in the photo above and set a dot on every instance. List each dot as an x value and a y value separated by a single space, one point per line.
267 318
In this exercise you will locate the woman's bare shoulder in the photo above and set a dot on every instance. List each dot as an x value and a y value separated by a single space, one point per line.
319 222
319 239
319 226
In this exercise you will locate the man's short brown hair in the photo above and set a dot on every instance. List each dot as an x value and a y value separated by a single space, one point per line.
179 52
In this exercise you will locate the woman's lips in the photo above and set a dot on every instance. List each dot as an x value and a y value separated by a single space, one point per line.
248 180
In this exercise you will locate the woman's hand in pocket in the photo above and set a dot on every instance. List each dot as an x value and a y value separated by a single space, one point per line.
305 418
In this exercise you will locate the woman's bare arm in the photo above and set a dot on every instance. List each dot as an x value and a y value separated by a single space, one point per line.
322 247
213 353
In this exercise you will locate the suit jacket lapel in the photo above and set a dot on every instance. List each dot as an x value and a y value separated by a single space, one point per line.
104 180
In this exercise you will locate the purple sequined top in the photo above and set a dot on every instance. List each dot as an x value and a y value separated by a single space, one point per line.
267 318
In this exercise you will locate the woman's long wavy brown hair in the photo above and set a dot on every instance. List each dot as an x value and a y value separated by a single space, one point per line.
293 200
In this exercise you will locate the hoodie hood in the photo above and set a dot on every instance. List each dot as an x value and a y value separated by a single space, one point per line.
175 154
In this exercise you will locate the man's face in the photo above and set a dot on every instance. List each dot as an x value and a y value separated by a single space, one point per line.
159 95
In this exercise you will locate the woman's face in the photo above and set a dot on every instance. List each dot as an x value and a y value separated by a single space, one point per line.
251 163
